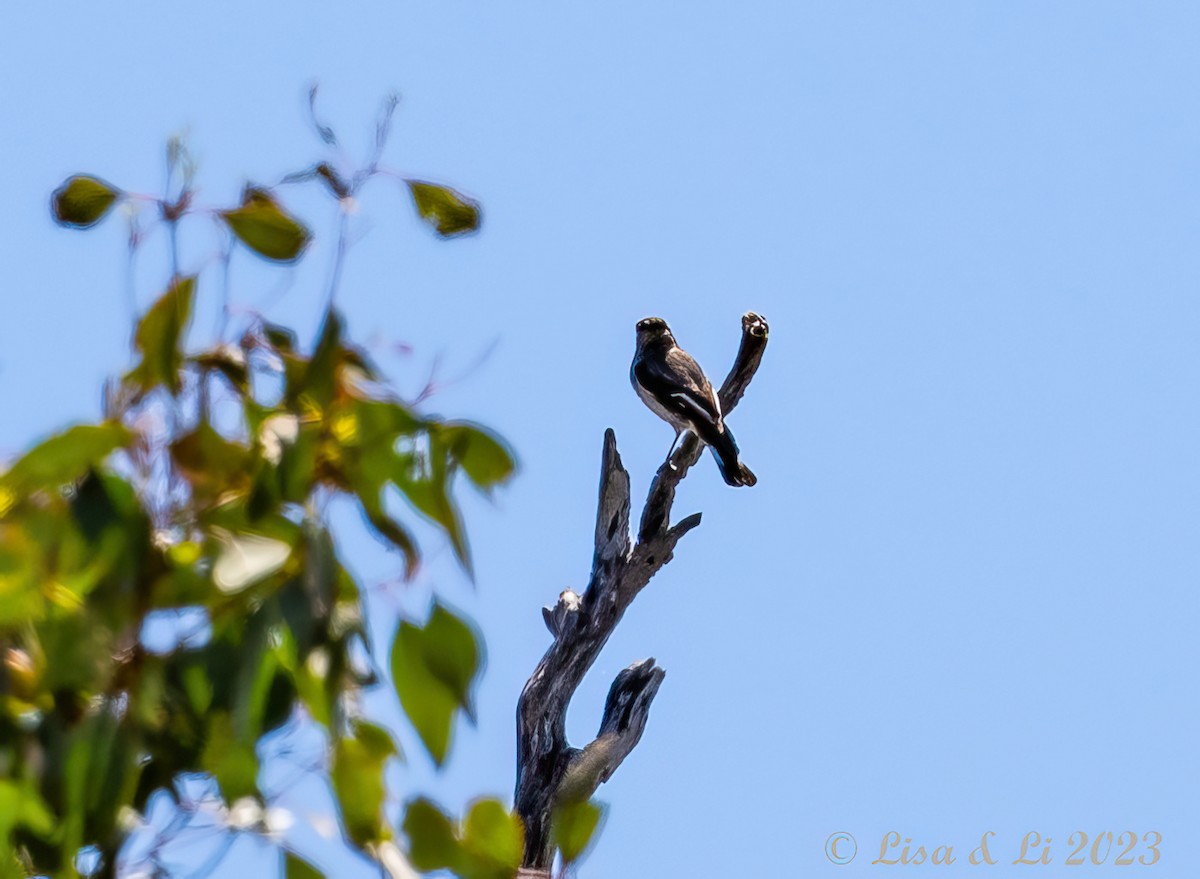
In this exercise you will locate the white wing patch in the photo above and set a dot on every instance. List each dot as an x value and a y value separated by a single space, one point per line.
695 406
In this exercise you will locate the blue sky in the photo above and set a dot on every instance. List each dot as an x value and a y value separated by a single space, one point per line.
962 596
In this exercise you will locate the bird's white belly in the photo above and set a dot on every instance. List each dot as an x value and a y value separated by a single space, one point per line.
662 412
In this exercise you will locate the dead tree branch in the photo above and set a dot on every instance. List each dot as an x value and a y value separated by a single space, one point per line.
549 770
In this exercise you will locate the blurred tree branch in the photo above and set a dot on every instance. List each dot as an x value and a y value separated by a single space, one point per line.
172 507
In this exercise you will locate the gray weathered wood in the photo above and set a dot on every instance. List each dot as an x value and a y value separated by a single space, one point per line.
549 770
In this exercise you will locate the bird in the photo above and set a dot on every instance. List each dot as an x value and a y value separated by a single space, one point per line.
674 387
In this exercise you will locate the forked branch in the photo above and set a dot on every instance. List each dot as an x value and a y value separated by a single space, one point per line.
549 770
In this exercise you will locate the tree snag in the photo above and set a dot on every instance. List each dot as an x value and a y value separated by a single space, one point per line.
549 771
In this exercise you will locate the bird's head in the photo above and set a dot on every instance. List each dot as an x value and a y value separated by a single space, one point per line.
651 328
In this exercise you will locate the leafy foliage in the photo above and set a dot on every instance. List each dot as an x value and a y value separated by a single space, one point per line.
168 506
486 844
61 459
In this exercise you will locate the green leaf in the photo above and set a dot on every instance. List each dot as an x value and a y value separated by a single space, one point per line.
21 577
211 464
108 543
422 475
298 869
319 379
432 843
371 430
297 465
381 441
357 773
482 455
315 692
101 770
259 690
82 652
230 759
82 201
62 459
430 707
380 422
391 531
450 213
434 669
22 806
265 228
488 844
160 336
104 502
307 600
197 687
453 655
573 827
494 839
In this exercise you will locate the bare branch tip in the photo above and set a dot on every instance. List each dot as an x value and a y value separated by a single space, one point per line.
610 457
685 525
610 440
755 324
654 674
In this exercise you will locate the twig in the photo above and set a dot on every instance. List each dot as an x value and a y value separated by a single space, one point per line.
323 131
339 257
226 257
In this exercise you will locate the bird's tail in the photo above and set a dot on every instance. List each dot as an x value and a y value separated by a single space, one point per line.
725 450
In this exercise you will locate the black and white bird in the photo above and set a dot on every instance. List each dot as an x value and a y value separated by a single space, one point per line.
675 388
